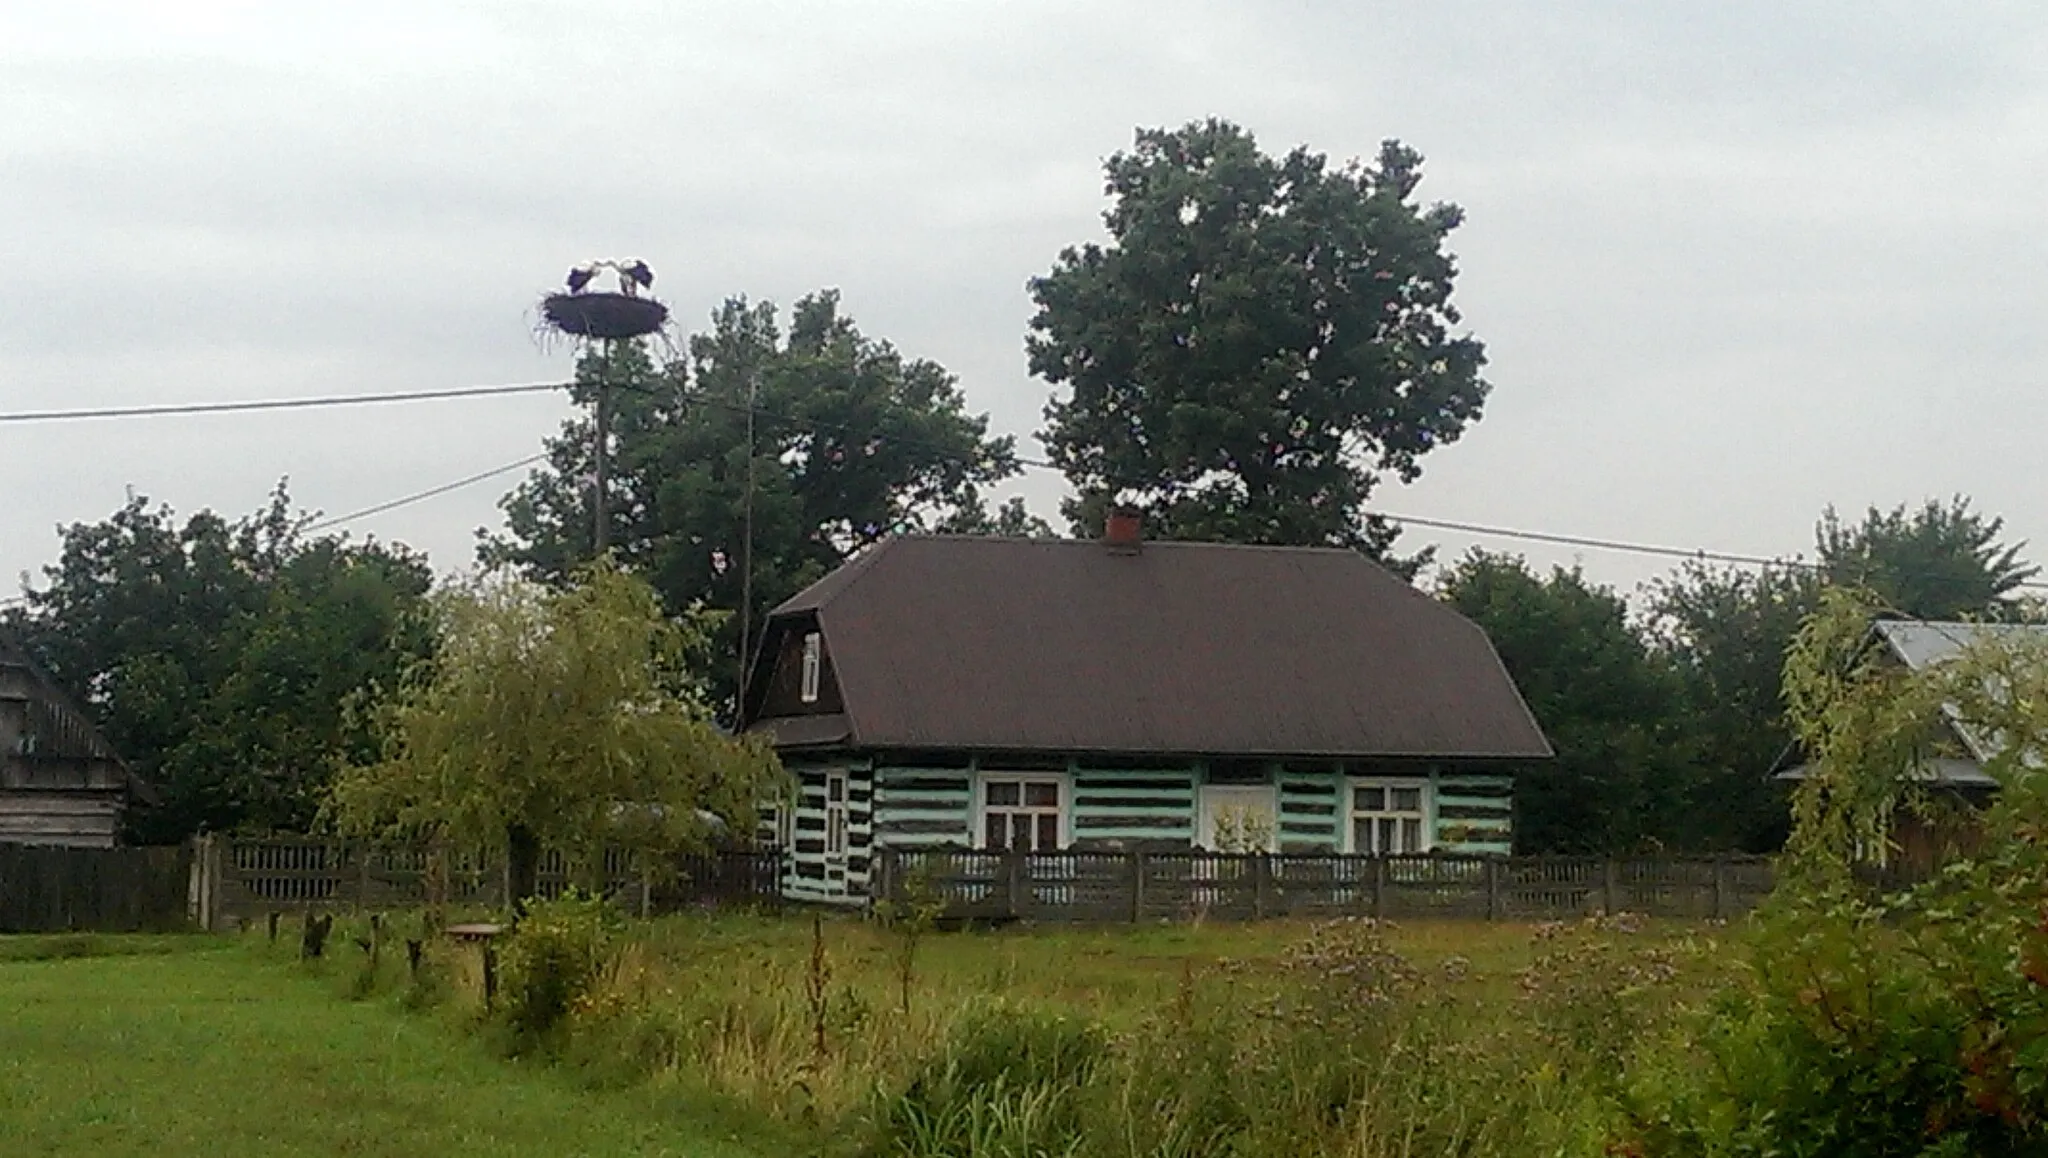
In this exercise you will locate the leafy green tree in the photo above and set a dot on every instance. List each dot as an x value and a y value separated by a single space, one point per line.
1611 708
1262 340
219 658
851 441
562 717
1011 520
1728 630
1940 561
1725 631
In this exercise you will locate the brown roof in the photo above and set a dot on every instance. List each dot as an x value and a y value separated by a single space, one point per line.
1182 648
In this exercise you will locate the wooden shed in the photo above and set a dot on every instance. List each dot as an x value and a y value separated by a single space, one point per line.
60 782
1117 695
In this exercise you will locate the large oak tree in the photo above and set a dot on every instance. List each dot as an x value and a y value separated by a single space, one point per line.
1262 340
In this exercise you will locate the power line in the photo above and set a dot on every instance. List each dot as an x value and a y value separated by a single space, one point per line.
272 404
1555 538
1619 545
183 408
1596 544
429 493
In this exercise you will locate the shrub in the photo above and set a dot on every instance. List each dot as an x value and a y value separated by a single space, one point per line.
1006 1082
553 961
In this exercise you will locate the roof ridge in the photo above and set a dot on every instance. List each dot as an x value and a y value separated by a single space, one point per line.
1076 541
857 568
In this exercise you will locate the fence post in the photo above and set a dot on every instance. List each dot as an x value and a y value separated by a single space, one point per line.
1720 888
1379 887
883 884
195 884
1609 885
1262 887
1493 906
1018 885
206 882
1138 868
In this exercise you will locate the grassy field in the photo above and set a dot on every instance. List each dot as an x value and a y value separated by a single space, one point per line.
1268 1039
169 1047
736 1034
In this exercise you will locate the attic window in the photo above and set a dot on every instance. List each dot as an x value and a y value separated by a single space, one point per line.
813 661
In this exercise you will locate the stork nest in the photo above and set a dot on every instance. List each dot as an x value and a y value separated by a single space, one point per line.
608 316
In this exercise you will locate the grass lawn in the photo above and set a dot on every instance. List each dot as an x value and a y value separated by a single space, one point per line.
169 1047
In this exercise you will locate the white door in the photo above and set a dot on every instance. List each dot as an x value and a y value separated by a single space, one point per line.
1240 818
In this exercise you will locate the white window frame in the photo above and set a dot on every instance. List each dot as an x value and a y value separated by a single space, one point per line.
1065 781
814 664
1350 812
835 816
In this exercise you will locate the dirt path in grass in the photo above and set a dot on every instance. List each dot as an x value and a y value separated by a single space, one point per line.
209 1052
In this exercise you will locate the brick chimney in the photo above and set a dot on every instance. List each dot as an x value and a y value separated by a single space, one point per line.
1123 530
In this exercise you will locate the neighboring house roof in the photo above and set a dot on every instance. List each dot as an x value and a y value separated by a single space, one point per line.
64 729
1921 643
1186 648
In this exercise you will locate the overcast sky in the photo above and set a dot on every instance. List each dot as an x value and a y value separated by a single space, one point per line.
1732 261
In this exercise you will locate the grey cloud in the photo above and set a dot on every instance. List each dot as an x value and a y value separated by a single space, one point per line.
1733 261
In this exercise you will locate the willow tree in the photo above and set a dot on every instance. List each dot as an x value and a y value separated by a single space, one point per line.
1914 1021
565 718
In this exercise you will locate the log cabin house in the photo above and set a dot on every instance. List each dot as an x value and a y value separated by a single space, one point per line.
972 692
60 782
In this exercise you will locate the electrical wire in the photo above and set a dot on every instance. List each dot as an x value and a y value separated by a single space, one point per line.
423 496
275 404
1700 554
184 408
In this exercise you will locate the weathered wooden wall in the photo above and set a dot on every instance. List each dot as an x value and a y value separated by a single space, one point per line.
75 819
48 889
1100 887
59 782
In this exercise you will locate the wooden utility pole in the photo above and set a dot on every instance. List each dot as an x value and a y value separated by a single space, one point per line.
600 535
747 539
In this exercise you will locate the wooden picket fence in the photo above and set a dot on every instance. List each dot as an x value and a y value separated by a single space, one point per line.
50 889
240 879
1102 887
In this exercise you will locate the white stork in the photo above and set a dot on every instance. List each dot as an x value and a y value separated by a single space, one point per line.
580 276
634 276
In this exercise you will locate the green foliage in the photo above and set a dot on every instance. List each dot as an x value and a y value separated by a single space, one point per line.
1669 728
851 441
1912 1023
553 961
1007 1081
1726 631
219 658
1941 561
560 718
1262 339
1611 707
914 912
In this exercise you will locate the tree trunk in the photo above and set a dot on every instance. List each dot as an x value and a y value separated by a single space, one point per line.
522 865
